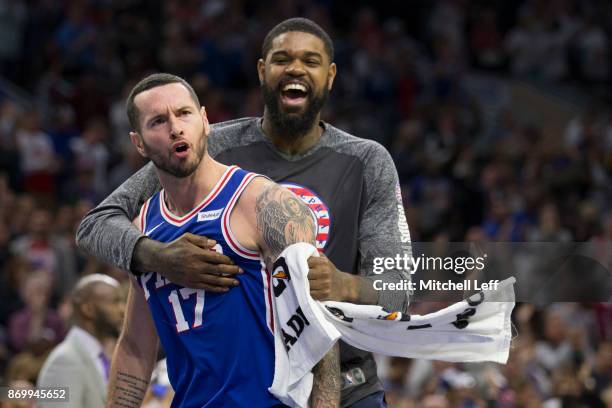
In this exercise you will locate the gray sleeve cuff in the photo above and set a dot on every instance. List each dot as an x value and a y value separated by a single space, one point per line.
95 232
393 300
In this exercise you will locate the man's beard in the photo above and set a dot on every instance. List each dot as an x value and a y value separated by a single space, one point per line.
104 327
292 125
180 169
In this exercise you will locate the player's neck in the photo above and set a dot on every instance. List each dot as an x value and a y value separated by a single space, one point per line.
292 145
185 193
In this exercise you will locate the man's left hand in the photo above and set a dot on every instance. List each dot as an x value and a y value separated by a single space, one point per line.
326 281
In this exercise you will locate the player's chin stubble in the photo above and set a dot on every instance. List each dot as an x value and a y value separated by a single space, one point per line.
181 169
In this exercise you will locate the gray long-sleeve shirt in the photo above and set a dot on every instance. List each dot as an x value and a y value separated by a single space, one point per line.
350 184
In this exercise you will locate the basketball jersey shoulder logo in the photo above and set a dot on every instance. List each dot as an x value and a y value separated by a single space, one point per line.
319 210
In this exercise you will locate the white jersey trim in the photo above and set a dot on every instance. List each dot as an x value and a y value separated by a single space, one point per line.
180 221
229 236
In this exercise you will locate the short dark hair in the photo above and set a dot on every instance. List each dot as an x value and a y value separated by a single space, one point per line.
153 81
302 25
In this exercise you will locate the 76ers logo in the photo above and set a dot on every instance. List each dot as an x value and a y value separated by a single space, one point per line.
319 210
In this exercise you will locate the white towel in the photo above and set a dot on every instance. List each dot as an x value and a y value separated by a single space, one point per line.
476 329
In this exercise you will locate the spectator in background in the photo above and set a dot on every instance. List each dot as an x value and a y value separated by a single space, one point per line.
48 252
177 54
76 37
447 20
119 125
37 326
9 154
591 48
9 114
14 273
131 162
82 360
549 227
63 132
17 211
6 198
564 340
38 163
522 47
13 16
90 99
486 39
91 155
597 377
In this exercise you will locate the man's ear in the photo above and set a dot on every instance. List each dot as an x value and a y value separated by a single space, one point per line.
87 310
138 143
331 75
261 70
205 120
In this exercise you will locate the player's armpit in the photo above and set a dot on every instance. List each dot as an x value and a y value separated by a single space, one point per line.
135 353
326 384
282 219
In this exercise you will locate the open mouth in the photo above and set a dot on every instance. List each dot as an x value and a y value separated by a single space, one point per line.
180 148
294 94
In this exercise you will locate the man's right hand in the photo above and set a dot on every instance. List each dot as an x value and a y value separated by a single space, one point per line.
189 260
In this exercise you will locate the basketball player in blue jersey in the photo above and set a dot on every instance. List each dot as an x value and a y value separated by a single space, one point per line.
219 346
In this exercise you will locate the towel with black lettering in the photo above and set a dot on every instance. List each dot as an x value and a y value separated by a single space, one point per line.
475 329
302 334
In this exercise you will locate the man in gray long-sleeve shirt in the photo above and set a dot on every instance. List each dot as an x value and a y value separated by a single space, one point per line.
349 183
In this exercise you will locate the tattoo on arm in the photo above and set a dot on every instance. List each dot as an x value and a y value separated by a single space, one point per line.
283 219
129 390
326 386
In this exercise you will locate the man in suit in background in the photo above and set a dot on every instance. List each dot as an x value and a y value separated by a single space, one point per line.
80 362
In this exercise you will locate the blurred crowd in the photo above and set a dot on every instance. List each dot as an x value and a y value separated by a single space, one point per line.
402 81
555 361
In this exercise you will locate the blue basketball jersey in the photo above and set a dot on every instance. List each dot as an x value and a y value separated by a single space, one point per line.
219 347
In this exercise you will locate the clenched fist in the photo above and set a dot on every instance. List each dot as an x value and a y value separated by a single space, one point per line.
326 281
